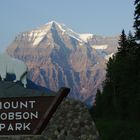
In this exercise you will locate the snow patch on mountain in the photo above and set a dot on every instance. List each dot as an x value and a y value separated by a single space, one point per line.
85 37
109 56
37 35
38 38
52 25
70 32
100 47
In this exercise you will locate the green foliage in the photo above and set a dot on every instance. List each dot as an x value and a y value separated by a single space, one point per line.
120 98
110 129
123 43
120 90
117 110
98 100
137 19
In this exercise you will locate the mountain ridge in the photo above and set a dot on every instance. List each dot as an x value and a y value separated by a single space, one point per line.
56 56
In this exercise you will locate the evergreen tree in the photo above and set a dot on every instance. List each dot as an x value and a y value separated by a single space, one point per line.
137 20
136 26
121 89
98 109
123 43
137 36
131 42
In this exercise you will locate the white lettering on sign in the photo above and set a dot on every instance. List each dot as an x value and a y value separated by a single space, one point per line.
18 126
15 127
2 126
3 116
13 111
6 105
26 126
10 128
17 105
18 115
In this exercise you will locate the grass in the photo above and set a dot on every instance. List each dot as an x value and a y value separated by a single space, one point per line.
118 129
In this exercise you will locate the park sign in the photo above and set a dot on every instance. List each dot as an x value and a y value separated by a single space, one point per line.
28 115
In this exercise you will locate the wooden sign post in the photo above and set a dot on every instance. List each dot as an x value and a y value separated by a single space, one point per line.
28 115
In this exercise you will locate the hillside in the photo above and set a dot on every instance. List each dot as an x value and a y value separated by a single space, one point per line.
57 56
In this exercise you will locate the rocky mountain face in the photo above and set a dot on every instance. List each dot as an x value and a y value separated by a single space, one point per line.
56 56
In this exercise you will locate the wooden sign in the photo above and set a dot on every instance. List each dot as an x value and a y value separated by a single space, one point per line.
28 115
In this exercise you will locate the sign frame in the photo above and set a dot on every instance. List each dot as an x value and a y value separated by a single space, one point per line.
53 103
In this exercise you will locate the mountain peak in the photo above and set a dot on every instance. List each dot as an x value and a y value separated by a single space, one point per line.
57 56
54 24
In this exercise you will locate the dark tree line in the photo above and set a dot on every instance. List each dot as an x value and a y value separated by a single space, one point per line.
120 97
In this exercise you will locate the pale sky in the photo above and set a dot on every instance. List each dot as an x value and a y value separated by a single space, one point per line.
100 17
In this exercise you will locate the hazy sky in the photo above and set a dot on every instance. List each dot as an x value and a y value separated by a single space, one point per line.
101 17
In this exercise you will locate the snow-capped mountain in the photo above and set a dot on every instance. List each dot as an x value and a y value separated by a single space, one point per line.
57 56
